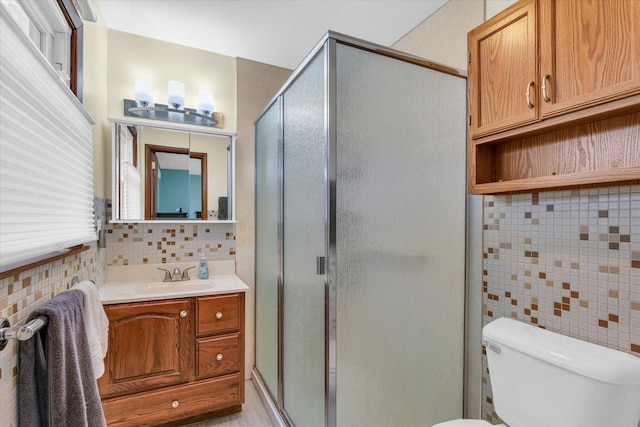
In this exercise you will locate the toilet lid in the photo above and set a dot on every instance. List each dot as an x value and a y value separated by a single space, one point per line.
467 423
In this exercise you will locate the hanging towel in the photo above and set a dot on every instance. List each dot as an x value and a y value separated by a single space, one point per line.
97 324
56 386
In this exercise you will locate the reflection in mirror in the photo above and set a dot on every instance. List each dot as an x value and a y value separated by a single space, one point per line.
172 190
171 174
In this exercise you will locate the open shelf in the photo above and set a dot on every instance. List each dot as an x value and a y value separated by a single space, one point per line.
603 151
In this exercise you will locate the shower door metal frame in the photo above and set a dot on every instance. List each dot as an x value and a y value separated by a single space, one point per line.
330 117
261 386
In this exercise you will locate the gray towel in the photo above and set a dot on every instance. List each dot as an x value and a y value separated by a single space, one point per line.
56 386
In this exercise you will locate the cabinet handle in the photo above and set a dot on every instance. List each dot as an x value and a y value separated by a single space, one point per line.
219 357
529 104
219 315
183 313
544 88
175 404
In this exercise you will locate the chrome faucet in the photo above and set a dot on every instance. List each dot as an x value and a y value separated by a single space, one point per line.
176 276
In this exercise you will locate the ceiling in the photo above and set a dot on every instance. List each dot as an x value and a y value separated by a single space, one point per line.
276 32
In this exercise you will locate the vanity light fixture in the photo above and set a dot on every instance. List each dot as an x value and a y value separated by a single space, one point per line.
205 101
143 92
142 105
176 94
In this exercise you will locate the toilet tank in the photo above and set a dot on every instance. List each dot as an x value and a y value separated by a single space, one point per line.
543 379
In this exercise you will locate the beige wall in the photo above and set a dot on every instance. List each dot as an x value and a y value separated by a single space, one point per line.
442 37
493 7
95 97
130 56
257 85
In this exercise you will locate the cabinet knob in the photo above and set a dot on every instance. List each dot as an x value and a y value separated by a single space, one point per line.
528 94
219 357
219 315
174 404
183 313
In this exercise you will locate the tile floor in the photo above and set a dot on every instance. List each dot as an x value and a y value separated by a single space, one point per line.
253 413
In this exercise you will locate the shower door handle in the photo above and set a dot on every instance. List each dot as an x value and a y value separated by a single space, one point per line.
320 265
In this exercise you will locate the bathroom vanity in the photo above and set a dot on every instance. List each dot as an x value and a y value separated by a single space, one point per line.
176 351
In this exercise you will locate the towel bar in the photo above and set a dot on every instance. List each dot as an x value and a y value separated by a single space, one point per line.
24 332
21 333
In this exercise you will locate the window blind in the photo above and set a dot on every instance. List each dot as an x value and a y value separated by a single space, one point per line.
131 194
46 155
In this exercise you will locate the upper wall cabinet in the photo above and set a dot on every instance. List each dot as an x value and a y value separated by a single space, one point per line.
589 53
502 71
543 66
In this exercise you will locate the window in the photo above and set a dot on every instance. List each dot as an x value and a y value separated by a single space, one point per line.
46 149
55 29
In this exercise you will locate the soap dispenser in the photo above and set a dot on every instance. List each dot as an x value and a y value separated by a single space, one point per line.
203 269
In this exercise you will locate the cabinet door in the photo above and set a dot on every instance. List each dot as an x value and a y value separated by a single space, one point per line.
502 70
590 52
150 345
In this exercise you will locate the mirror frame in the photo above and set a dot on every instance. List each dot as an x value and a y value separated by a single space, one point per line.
115 169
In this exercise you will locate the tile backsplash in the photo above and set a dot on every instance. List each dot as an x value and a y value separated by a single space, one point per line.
145 243
567 261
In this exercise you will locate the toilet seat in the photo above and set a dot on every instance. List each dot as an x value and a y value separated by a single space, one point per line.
467 423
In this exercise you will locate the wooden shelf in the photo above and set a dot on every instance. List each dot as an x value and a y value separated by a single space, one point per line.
601 152
611 176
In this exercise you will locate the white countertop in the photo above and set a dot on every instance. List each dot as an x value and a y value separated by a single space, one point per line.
135 291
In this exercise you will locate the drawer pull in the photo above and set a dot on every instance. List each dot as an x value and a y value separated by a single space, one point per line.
175 404
219 357
183 313
545 96
219 315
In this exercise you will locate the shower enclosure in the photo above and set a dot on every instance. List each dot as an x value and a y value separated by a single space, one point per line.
360 221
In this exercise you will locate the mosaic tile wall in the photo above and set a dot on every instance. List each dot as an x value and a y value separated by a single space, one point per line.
131 244
22 293
567 261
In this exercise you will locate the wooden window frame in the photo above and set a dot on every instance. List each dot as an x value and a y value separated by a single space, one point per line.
76 48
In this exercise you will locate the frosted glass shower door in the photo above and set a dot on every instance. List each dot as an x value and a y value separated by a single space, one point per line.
400 224
268 144
303 330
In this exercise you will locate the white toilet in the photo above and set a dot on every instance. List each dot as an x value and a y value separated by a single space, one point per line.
543 379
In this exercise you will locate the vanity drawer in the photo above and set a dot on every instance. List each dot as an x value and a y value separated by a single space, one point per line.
165 406
217 355
220 313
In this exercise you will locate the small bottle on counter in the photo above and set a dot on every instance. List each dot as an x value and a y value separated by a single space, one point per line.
203 269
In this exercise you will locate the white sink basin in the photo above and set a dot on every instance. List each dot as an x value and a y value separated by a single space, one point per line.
174 287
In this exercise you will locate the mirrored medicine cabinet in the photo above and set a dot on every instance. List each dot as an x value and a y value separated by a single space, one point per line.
169 173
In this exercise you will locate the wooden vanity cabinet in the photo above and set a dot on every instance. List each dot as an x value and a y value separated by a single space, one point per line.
174 360
546 78
159 328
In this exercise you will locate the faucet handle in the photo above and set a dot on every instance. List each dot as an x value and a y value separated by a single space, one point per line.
167 274
185 275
